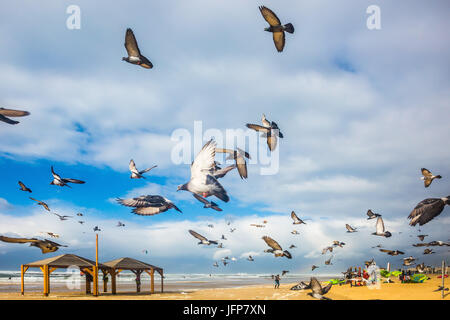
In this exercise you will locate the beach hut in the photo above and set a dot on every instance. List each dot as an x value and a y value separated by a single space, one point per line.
137 267
64 261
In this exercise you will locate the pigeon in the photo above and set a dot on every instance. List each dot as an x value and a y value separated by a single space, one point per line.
438 243
408 262
328 262
380 231
392 252
422 236
80 222
317 291
210 226
232 230
79 214
292 246
295 232
41 203
62 218
250 258
372 215
350 229
239 157
428 251
46 246
225 262
24 187
427 209
58 181
51 234
202 239
337 243
135 173
223 238
145 251
377 246
148 205
276 248
296 219
206 203
120 224
276 27
134 54
5 113
284 272
220 246
327 249
420 268
370 262
257 225
96 228
216 264
270 133
314 267
428 177
202 182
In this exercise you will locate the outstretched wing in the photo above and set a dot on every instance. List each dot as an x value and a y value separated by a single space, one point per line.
327 288
17 240
198 236
132 166
272 243
386 250
425 211
348 227
74 181
204 161
142 201
257 127
13 113
380 225
200 198
7 120
294 217
55 175
131 44
269 16
147 170
279 40
426 172
315 286
222 172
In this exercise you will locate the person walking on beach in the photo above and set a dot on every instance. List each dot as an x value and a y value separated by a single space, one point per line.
277 281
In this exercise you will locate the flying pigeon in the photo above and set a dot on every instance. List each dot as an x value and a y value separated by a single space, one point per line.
51 234
337 243
270 133
206 203
220 246
24 187
296 219
120 224
250 258
257 225
314 267
427 209
276 248
380 231
202 182
223 237
135 173
210 226
327 249
317 291
58 181
5 113
96 228
428 251
148 205
350 229
80 222
284 272
79 214
216 264
295 232
134 54
292 246
392 252
239 157
202 239
41 203
46 246
232 230
422 236
328 262
276 27
428 177
62 218
372 215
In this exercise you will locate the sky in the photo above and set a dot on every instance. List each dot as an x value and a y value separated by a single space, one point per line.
361 112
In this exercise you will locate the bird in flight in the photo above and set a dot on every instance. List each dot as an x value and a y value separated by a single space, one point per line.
62 218
428 177
392 252
257 225
337 243
275 248
5 113
238 156
23 187
292 246
295 232
296 219
148 205
427 209
96 228
206 203
328 262
46 246
250 258
41 203
134 54
270 132
120 224
422 236
350 229
58 181
380 231
372 215
314 267
324 250
216 264
277 29
202 182
317 291
428 251
135 173
202 239
284 272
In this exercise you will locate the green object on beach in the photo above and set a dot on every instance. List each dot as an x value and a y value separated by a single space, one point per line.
396 273
418 278
336 281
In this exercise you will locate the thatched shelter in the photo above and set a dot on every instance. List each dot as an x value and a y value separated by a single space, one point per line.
65 261
137 267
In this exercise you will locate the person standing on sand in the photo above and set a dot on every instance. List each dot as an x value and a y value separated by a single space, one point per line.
277 281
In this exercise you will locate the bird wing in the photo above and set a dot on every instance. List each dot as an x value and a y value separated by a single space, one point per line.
257 127
7 120
13 113
427 182
425 211
132 167
200 198
348 227
279 40
141 201
222 150
204 161
198 236
131 44
272 243
241 166
369 213
55 175
17 240
386 250
22 185
294 216
272 142
222 172
327 288
147 170
426 172
380 225
315 286
269 16
73 181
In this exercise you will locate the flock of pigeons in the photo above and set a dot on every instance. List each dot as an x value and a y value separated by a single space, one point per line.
206 172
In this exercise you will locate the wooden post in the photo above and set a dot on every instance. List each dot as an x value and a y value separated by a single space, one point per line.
113 281
443 281
88 283
152 278
105 281
96 267
162 281
22 280
46 281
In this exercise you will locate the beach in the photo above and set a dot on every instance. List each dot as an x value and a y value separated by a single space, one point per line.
203 291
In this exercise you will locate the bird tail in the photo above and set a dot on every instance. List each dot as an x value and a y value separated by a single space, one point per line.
289 28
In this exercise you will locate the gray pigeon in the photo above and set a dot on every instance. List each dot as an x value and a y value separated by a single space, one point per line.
148 205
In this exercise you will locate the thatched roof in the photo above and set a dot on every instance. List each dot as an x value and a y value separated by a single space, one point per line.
65 261
130 264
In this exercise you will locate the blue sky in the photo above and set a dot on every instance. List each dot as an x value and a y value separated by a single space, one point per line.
361 112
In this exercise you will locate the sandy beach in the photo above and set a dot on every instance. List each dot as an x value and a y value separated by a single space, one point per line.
387 291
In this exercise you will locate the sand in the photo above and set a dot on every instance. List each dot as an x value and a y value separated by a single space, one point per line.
387 291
